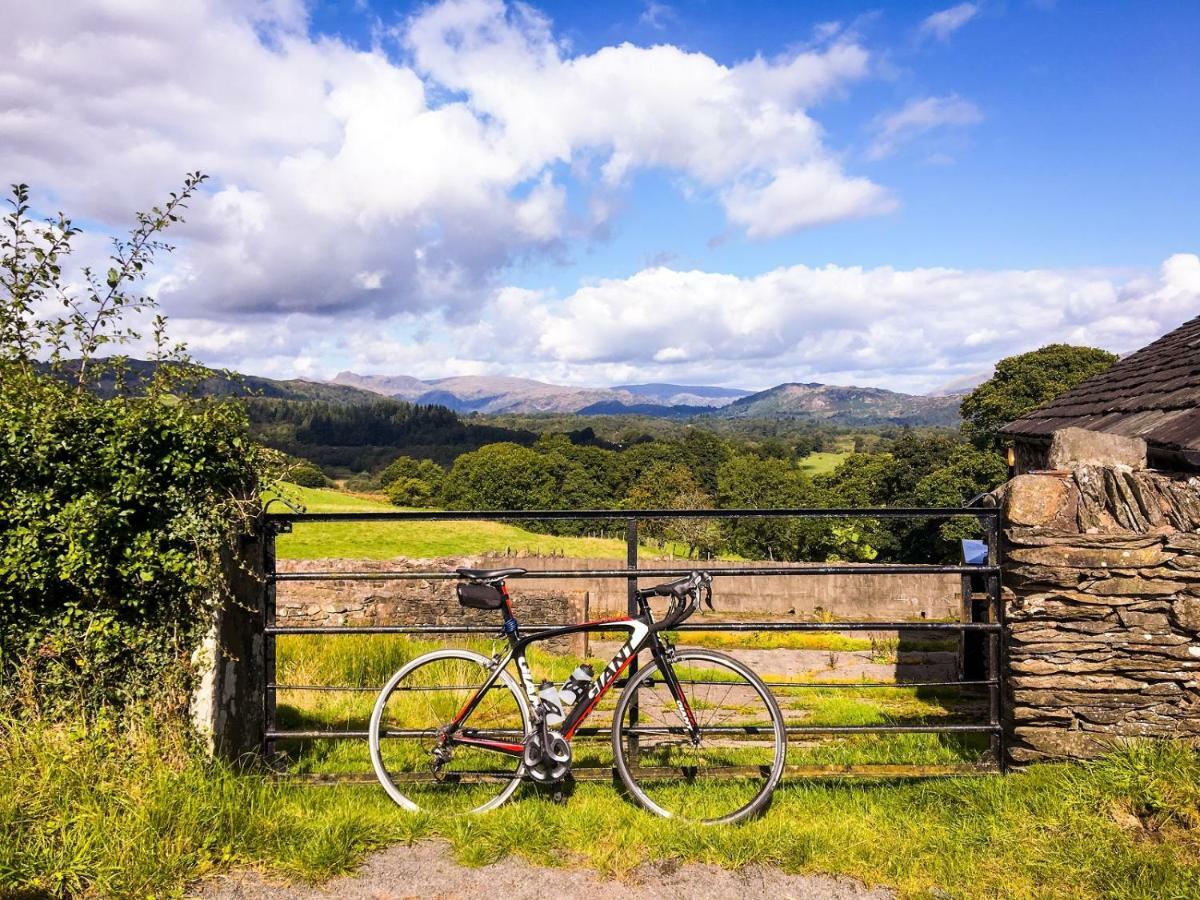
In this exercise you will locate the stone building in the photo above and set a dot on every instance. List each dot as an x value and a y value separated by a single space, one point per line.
1102 559
1143 411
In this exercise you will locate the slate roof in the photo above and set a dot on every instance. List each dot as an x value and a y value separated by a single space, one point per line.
1153 394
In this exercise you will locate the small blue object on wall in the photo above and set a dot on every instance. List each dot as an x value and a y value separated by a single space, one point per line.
974 552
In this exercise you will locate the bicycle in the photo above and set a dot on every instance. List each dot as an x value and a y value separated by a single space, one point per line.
695 734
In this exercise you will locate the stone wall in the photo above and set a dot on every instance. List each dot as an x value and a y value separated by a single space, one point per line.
417 602
852 597
1102 577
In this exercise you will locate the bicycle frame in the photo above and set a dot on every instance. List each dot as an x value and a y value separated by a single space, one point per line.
644 633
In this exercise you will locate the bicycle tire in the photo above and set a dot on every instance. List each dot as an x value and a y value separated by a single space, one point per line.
622 731
388 779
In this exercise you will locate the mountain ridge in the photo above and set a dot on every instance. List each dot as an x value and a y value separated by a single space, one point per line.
509 394
835 404
844 405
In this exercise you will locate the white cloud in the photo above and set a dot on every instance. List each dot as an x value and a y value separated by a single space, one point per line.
801 197
906 329
657 15
944 23
918 116
433 174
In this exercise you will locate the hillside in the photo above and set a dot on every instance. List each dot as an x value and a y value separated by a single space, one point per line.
835 405
502 394
217 383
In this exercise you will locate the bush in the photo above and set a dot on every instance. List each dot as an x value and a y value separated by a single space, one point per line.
305 474
115 513
409 492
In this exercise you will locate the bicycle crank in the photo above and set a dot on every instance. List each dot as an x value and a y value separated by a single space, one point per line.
549 761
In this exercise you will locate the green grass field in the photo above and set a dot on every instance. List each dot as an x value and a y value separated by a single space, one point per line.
822 463
129 810
419 540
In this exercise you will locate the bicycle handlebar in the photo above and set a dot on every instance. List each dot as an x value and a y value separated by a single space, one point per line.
686 596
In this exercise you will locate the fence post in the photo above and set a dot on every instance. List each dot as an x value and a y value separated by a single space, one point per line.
631 562
268 612
227 704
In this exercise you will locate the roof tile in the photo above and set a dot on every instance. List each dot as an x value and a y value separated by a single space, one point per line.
1153 394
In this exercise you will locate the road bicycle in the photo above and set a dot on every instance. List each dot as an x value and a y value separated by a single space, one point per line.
695 734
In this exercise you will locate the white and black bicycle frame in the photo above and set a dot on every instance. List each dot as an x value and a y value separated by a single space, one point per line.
644 633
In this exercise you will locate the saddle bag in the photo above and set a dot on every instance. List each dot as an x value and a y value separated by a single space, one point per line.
480 596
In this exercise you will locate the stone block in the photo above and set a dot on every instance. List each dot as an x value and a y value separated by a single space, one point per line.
1184 541
1038 500
1073 447
1073 557
1059 743
1045 537
1133 587
1185 612
1090 682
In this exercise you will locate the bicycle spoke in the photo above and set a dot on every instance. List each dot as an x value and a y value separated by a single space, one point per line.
405 747
735 764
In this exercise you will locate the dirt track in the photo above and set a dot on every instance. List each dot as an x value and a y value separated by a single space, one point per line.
428 870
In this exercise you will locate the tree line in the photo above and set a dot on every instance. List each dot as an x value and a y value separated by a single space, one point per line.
704 470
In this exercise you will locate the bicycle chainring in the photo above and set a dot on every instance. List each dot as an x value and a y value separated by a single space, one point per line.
547 762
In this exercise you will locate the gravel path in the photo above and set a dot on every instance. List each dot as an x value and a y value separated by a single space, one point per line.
428 870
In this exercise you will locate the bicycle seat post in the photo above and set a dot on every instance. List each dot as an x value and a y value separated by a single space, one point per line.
512 629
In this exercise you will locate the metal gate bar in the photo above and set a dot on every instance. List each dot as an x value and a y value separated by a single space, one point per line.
276 523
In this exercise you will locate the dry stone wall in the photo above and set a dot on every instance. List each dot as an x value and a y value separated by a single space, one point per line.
416 602
1102 576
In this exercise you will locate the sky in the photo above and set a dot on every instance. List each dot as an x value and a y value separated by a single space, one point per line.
885 194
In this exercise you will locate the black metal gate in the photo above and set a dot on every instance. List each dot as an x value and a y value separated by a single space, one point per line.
989 627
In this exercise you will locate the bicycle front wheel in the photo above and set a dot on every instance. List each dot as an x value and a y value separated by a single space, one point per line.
726 776
425 696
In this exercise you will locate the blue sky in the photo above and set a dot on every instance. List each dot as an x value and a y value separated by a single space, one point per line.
893 193
1084 155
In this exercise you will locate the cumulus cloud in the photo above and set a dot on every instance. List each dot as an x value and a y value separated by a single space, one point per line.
944 23
908 329
918 116
404 177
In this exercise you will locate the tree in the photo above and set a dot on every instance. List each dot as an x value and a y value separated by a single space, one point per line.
411 492
305 474
746 482
501 476
672 486
399 477
1025 382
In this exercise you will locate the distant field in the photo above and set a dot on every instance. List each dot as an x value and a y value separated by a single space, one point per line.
822 463
385 540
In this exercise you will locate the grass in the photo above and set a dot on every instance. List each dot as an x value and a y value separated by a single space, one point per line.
367 662
822 463
808 640
133 812
420 540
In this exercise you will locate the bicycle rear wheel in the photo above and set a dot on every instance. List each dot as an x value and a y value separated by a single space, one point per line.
731 772
426 695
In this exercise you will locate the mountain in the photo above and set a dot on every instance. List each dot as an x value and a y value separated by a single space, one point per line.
217 383
819 402
683 394
843 406
502 394
658 410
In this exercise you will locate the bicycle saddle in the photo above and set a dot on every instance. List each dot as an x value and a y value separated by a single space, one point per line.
486 576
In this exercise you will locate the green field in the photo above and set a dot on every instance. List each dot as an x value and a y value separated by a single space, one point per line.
122 809
822 463
421 540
